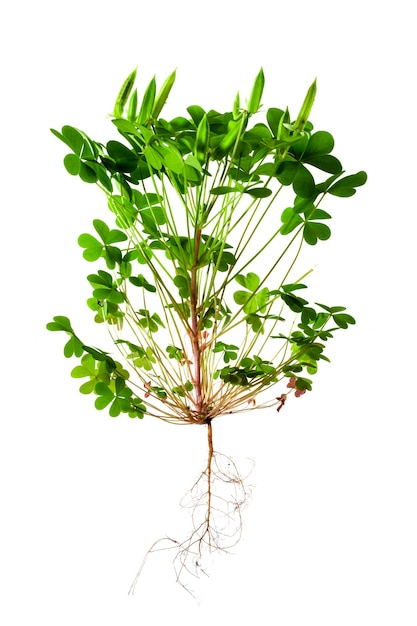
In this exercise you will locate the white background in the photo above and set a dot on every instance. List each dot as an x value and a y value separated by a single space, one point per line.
330 534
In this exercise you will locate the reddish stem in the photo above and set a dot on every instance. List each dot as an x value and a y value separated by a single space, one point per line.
195 333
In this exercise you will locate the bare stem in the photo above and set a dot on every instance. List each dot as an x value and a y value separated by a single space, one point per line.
195 333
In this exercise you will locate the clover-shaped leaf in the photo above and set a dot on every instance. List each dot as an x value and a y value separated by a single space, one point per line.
151 322
117 394
105 288
229 351
318 150
95 371
140 281
94 249
346 186
74 346
253 300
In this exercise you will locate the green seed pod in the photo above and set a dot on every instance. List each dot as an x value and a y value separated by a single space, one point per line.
236 107
132 107
284 121
124 94
202 140
162 96
256 95
147 103
229 140
306 107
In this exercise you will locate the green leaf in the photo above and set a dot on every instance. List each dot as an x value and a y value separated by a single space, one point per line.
102 278
255 322
73 138
258 136
126 126
252 302
191 161
73 347
325 162
151 322
287 171
105 396
60 323
175 353
115 236
259 192
343 320
315 230
125 159
100 355
303 184
80 371
94 248
320 142
266 169
173 160
293 287
182 282
89 368
108 236
72 164
103 178
87 174
197 113
319 214
345 187
140 281
273 117
153 158
295 303
241 297
102 229
251 281
88 387
290 220
224 189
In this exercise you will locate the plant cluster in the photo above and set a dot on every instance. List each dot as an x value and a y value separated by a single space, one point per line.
193 279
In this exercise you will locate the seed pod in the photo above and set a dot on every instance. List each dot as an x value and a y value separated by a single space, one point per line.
147 103
306 107
282 132
202 140
236 107
124 94
133 105
256 95
229 140
162 96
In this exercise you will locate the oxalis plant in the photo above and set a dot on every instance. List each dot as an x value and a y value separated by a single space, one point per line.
195 280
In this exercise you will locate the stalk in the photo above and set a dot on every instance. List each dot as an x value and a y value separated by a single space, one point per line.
194 333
